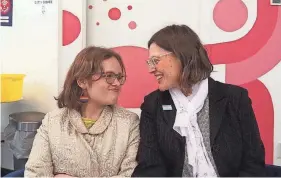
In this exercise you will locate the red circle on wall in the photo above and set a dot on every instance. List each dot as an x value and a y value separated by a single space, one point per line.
114 13
132 25
230 15
71 27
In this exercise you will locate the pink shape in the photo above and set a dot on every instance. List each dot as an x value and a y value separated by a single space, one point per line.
130 7
263 108
132 25
71 27
114 13
226 15
260 63
97 23
139 82
90 7
241 49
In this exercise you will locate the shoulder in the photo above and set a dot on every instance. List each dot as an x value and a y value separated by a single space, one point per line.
52 119
59 112
229 90
236 96
56 115
124 115
153 96
151 101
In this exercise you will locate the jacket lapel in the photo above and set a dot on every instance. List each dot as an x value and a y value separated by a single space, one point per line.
217 106
168 107
103 122
169 114
76 121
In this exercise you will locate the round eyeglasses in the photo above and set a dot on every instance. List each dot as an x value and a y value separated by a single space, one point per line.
110 77
154 60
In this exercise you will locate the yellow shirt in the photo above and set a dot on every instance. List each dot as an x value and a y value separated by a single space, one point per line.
88 122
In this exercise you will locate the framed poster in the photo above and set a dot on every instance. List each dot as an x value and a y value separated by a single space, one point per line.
275 2
6 9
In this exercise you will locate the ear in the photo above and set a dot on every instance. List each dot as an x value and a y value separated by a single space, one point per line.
82 83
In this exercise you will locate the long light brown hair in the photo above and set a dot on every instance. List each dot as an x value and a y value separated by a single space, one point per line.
86 64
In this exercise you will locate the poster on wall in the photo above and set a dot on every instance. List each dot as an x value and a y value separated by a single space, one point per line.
43 3
6 9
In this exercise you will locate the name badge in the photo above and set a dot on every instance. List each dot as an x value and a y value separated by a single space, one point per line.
167 107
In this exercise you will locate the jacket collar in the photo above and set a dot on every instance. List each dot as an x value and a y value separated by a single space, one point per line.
217 106
100 125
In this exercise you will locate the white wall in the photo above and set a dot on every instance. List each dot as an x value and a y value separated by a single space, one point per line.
31 47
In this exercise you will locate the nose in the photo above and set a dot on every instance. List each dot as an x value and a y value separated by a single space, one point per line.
116 82
151 69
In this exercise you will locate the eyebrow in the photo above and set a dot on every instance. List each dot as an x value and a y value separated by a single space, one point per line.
154 56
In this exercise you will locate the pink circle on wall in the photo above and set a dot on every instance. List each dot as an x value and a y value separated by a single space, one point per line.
71 27
132 25
130 7
230 15
114 13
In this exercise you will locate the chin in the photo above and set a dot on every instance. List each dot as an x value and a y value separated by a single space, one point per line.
112 101
163 88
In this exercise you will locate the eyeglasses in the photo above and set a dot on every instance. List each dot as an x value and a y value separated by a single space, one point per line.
153 61
110 77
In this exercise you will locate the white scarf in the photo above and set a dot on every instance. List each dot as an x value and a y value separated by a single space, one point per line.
186 125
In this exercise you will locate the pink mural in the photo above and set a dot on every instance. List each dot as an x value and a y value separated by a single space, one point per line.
251 57
263 108
139 82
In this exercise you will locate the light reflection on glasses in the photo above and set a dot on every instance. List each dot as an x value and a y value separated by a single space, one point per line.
153 61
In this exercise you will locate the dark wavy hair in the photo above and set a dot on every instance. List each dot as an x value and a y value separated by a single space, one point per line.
185 44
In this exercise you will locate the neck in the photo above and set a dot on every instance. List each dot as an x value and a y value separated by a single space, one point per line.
186 91
92 110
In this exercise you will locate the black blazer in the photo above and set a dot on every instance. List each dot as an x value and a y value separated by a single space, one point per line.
236 144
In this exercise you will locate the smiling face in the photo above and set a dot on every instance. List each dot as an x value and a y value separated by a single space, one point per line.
165 67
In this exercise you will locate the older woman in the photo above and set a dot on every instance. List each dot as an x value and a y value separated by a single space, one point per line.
89 136
193 125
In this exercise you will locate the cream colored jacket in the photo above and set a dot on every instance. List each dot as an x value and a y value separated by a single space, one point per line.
64 145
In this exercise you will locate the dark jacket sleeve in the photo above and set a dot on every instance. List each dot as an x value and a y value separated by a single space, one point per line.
253 158
149 158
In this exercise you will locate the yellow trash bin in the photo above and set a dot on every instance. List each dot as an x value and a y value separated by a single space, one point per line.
11 87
